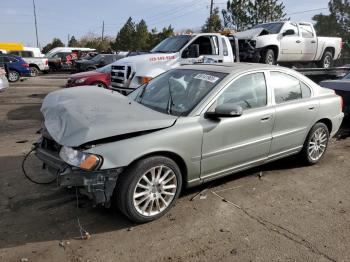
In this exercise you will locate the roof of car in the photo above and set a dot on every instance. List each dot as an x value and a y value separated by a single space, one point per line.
231 67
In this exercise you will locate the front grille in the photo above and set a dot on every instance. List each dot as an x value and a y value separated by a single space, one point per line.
120 76
50 145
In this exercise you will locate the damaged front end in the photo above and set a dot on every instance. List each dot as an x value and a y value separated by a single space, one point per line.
247 44
98 185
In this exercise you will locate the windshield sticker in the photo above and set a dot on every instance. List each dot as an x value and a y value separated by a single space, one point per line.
205 77
162 58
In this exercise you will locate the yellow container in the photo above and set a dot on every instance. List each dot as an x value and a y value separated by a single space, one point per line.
11 46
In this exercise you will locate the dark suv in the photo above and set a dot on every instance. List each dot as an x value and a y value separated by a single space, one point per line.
96 62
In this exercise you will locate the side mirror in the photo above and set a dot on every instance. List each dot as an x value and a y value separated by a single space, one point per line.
289 32
225 110
193 51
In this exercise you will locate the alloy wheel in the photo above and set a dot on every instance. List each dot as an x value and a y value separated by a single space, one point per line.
327 62
155 191
13 76
317 144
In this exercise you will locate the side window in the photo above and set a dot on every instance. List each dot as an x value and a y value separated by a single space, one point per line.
248 91
224 47
27 54
306 31
15 53
291 26
288 88
207 45
12 59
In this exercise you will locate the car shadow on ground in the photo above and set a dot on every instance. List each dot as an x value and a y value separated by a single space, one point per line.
28 112
35 213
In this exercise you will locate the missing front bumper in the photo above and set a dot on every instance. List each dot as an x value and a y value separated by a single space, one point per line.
97 185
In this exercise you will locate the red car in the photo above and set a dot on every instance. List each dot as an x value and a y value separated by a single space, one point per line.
100 77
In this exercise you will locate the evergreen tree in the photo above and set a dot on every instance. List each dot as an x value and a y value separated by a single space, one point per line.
73 42
56 42
236 15
126 36
213 23
141 36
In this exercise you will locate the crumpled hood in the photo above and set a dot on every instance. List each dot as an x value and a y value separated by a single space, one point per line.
251 33
85 74
78 115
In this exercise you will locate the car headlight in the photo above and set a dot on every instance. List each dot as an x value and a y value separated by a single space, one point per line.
80 80
79 159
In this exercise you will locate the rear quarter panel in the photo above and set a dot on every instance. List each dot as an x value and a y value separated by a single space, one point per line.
328 42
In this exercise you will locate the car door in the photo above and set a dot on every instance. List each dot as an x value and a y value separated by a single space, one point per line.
291 44
296 111
309 42
235 143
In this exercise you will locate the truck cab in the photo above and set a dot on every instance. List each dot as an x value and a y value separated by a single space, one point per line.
287 42
131 72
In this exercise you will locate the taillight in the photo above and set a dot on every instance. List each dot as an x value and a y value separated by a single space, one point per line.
46 62
25 65
341 44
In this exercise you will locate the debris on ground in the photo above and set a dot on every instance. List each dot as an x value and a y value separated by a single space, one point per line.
200 194
260 174
21 141
24 259
86 236
61 244
130 229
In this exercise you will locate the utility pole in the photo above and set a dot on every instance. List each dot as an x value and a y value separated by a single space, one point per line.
103 29
68 40
210 16
36 26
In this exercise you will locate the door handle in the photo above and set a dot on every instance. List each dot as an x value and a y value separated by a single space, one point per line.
311 107
265 118
298 41
313 41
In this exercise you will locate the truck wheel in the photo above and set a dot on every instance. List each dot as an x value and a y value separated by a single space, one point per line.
99 84
33 71
13 76
148 189
315 144
268 57
326 60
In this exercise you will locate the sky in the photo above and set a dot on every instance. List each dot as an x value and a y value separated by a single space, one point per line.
60 18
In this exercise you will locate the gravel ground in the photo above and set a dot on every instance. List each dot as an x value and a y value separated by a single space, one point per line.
291 213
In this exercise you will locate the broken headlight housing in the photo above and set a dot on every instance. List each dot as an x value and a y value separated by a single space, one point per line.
80 159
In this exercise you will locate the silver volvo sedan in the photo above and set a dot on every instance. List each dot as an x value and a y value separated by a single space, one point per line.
188 126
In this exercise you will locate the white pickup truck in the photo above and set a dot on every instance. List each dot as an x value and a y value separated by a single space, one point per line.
34 58
287 42
130 72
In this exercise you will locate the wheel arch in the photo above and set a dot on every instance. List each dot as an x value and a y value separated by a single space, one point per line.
327 122
34 65
274 48
173 156
331 49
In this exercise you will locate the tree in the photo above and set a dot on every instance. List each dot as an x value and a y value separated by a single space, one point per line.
337 23
141 36
242 14
73 42
56 42
213 23
263 11
126 36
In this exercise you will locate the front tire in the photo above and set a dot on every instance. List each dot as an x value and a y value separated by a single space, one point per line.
13 76
148 189
268 57
315 144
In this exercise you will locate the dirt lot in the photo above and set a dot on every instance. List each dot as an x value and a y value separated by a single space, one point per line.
291 213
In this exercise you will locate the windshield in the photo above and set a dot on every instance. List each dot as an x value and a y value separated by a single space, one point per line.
96 58
171 44
273 28
177 91
105 69
347 77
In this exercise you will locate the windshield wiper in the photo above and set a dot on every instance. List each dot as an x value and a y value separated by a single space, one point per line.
170 102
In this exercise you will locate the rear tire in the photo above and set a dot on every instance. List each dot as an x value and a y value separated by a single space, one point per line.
34 71
326 60
268 57
148 189
13 76
316 144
